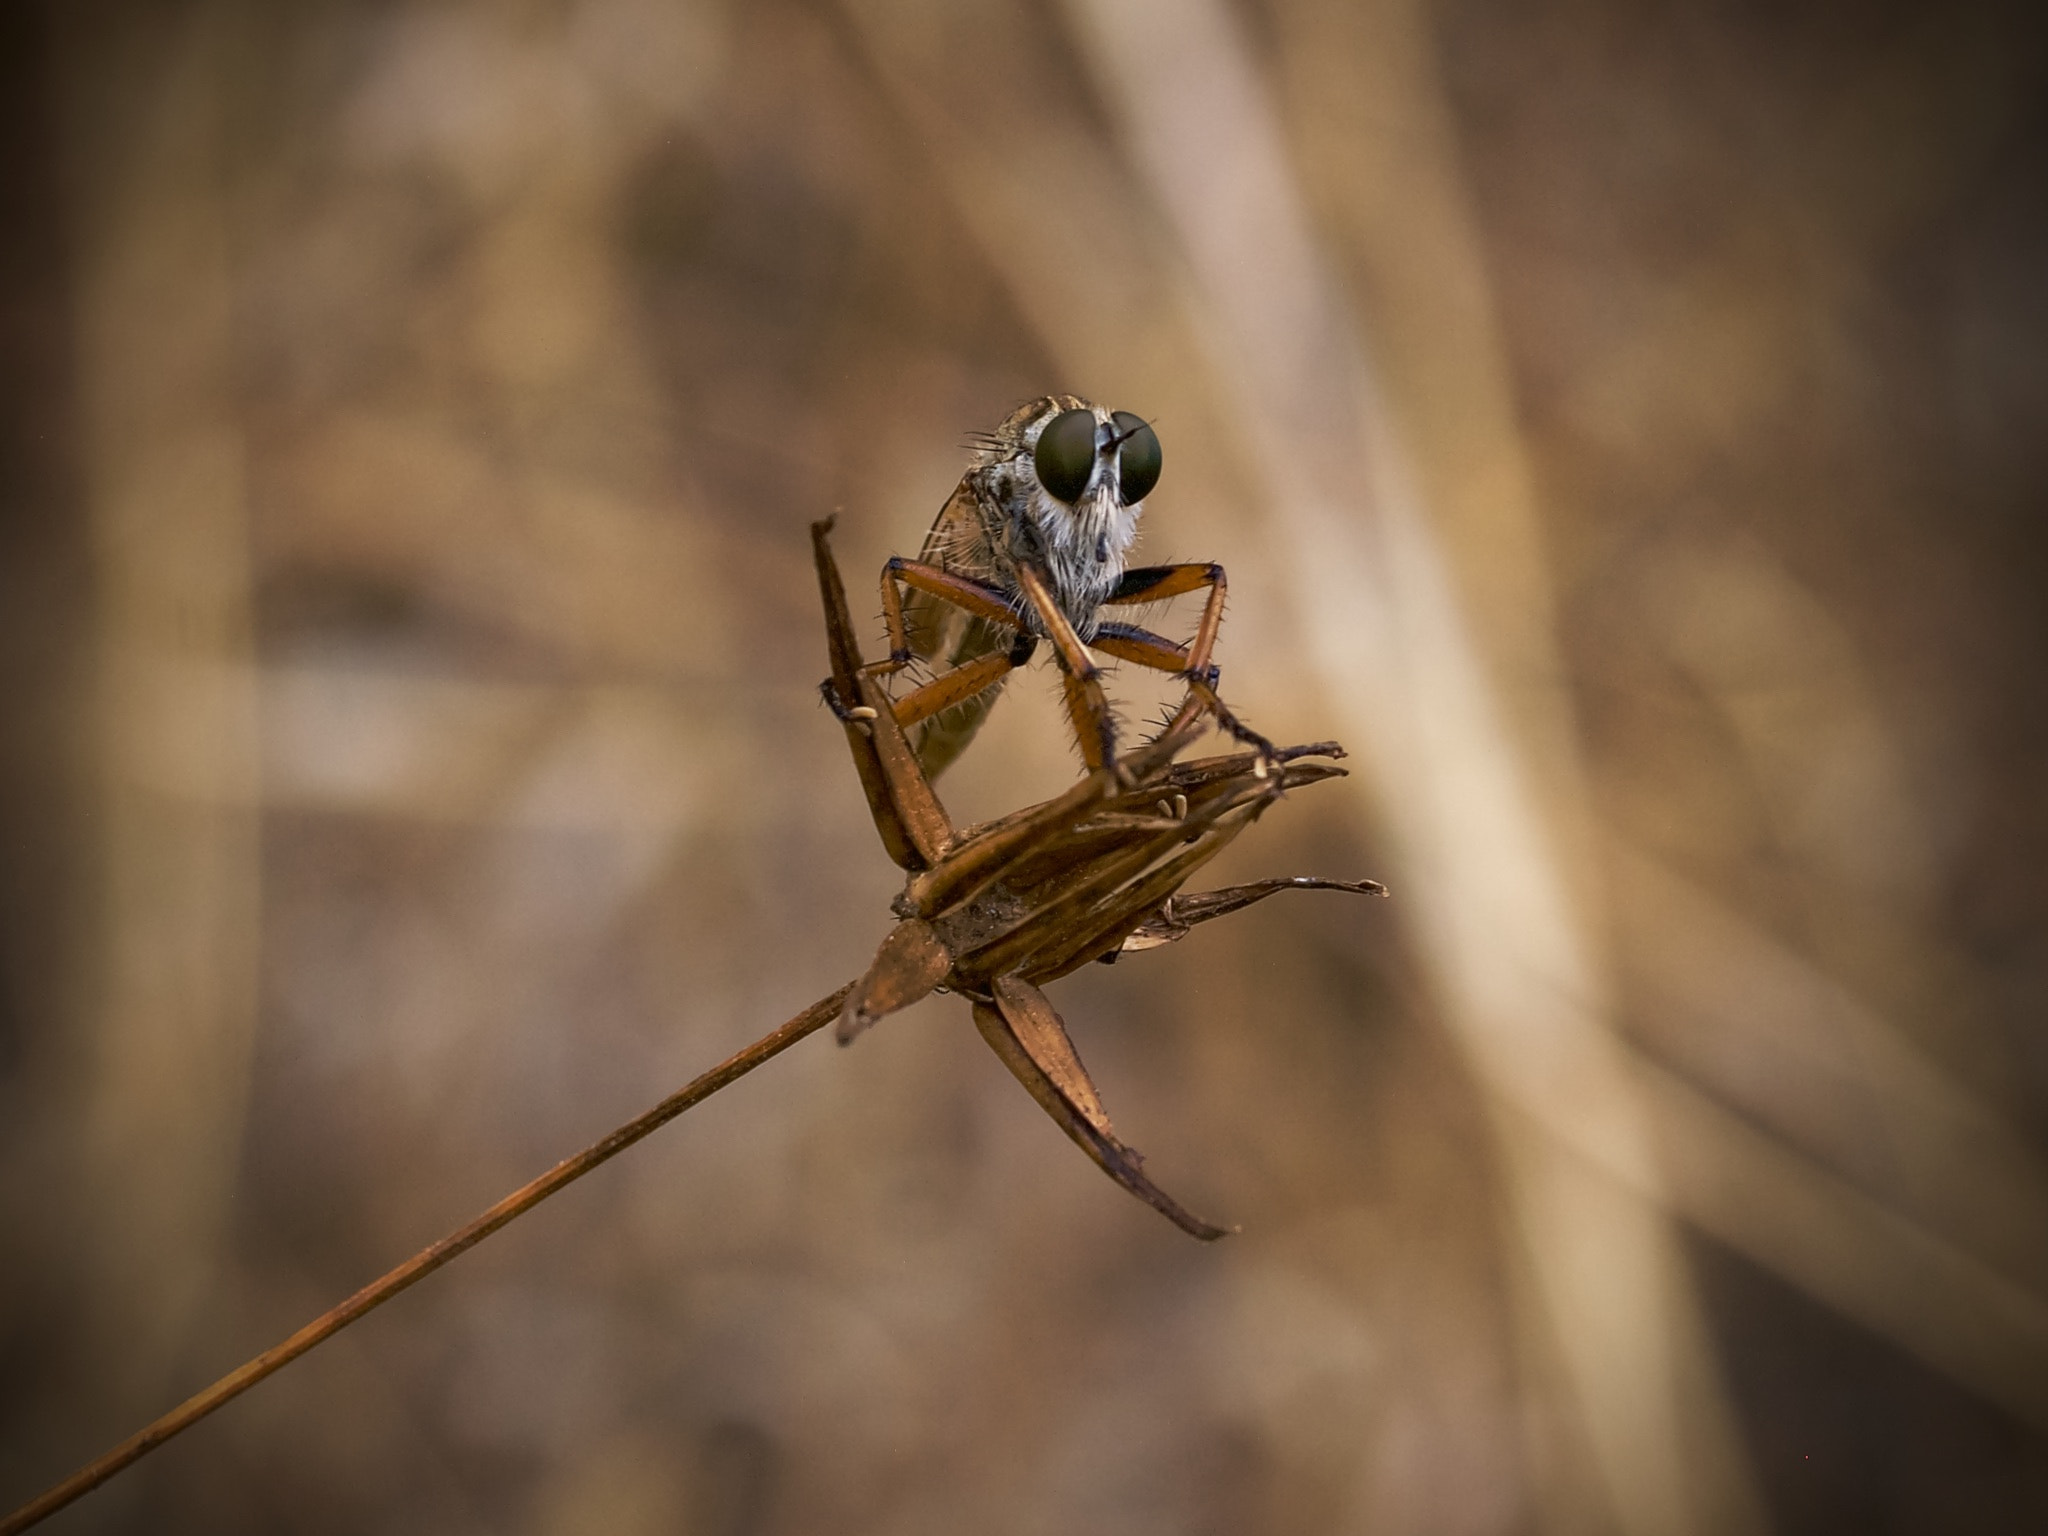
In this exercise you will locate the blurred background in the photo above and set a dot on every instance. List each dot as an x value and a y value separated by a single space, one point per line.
1623 427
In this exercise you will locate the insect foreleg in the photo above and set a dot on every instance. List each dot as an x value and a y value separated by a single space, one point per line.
1190 662
1201 696
977 668
1127 642
1153 583
1094 725
955 687
971 597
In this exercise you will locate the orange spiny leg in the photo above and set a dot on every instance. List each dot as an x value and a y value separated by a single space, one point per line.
1152 583
959 685
1130 643
1127 642
1088 709
970 596
1094 726
976 674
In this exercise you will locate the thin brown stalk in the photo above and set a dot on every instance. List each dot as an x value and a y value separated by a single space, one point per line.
422 1264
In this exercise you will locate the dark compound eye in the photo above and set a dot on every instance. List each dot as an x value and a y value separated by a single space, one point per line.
1138 461
1065 456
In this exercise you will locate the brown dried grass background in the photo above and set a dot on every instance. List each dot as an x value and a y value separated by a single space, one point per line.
1622 428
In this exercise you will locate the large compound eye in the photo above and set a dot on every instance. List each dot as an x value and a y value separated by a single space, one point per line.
1065 456
1138 461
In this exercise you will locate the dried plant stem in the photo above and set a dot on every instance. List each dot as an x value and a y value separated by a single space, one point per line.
422 1264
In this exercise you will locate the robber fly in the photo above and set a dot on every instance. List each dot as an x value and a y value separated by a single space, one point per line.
1030 548
994 912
